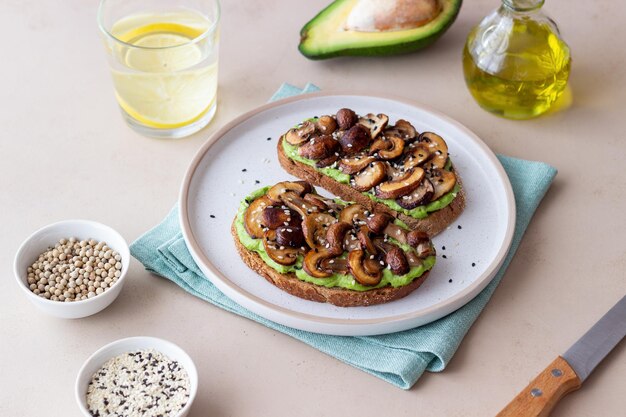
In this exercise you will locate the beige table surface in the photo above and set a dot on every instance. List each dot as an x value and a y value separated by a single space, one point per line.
66 153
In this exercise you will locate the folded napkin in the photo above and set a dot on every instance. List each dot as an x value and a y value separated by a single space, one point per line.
398 358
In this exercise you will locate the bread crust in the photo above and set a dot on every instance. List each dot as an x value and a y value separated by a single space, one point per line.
434 224
338 296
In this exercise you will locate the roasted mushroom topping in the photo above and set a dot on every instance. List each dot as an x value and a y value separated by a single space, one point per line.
315 227
353 214
370 177
443 181
253 218
355 263
317 200
298 204
312 263
378 221
355 140
290 236
355 164
336 265
382 245
319 147
374 123
437 146
416 156
364 236
416 237
401 186
274 217
420 196
350 242
335 236
406 129
299 187
326 125
396 232
300 134
372 266
389 148
346 118
279 254
397 261
326 162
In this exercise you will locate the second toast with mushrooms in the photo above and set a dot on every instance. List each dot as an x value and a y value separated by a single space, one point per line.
384 167
329 250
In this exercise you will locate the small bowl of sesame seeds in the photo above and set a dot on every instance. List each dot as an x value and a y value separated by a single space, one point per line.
137 376
73 268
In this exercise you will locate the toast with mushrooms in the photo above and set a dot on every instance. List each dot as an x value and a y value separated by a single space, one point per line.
388 168
328 250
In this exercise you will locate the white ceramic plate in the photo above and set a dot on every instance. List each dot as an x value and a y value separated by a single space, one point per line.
242 153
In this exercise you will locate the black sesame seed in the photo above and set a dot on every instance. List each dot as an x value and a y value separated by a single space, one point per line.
257 182
444 256
459 227
212 216
269 138
443 248
244 170
450 280
473 264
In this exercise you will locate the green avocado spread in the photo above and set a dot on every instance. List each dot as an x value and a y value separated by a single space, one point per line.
419 212
335 280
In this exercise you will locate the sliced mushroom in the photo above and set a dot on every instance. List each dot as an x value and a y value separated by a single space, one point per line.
364 236
378 221
335 236
354 140
413 259
389 148
290 236
336 265
372 266
299 187
437 146
274 217
443 181
370 177
355 164
417 156
374 123
253 218
401 186
350 242
328 161
315 227
317 200
355 263
397 261
406 130
319 147
346 118
415 237
418 197
312 263
382 245
398 233
353 214
298 204
300 134
279 254
326 125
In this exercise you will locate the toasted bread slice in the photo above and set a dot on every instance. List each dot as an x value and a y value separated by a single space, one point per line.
338 296
434 224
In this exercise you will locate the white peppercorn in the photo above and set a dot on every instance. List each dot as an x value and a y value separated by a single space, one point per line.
74 270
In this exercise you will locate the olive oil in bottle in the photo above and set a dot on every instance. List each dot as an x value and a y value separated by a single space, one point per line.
515 63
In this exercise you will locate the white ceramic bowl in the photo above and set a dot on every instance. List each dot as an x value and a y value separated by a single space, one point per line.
47 237
130 344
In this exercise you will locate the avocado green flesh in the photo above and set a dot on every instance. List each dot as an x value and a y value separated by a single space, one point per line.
335 280
324 36
419 212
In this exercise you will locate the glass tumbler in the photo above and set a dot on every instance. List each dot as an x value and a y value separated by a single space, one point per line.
163 56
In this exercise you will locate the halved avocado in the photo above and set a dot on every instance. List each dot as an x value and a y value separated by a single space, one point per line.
329 34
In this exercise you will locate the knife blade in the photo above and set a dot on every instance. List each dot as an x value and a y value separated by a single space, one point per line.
567 372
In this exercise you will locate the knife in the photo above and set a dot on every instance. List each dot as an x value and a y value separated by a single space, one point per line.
567 372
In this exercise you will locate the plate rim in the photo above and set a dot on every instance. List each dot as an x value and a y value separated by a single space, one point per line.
330 325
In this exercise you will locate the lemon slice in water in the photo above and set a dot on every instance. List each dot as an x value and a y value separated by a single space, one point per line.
167 84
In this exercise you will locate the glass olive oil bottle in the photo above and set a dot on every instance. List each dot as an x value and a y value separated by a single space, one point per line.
515 63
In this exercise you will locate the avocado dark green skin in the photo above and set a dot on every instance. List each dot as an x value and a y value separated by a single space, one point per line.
373 50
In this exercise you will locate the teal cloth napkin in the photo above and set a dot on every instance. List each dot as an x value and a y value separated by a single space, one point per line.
398 358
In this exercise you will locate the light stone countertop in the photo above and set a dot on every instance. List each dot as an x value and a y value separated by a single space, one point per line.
65 152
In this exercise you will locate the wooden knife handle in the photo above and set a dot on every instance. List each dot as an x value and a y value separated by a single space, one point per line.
541 395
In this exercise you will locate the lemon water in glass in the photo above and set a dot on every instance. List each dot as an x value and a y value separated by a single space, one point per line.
163 56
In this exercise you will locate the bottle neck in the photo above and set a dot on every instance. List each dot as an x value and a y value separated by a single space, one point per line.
523 5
